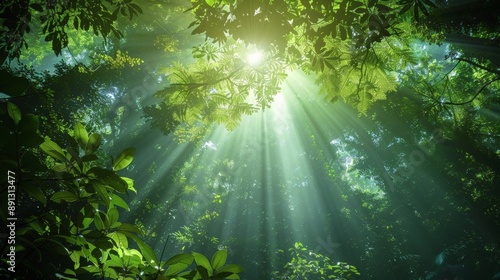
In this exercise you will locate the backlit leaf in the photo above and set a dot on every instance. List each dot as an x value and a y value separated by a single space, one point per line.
124 159
14 112
219 259
52 149
81 135
93 143
201 260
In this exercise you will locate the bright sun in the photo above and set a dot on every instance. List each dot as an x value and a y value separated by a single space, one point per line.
254 57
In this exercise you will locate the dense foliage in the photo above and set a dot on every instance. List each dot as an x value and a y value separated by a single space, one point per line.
346 139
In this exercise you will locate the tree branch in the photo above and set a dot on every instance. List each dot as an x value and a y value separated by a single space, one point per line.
474 97
478 65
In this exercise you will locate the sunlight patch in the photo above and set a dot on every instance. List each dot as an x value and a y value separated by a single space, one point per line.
255 57
209 145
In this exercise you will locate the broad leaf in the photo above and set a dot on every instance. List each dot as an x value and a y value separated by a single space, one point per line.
178 263
64 196
109 178
124 159
113 216
219 259
119 238
118 201
14 112
81 135
93 143
201 260
52 149
234 268
147 252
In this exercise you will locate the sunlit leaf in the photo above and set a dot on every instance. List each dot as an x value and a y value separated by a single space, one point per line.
81 135
147 252
178 263
118 201
109 178
233 268
219 259
201 260
124 159
113 216
119 238
93 143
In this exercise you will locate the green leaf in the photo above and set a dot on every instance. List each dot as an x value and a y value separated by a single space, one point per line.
147 252
53 150
101 190
85 217
115 261
234 268
130 184
64 196
109 178
201 260
118 201
430 3
99 222
93 143
103 243
124 159
81 135
129 228
14 112
113 216
203 272
219 259
119 238
178 263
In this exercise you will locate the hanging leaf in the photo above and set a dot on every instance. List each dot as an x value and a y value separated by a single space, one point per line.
130 184
147 252
119 238
93 143
99 223
103 193
109 178
113 216
53 150
124 159
118 201
81 135
14 112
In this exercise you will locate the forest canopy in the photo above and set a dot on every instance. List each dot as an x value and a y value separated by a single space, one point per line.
170 139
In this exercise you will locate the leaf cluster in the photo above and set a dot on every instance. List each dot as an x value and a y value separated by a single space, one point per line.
55 17
77 228
306 264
